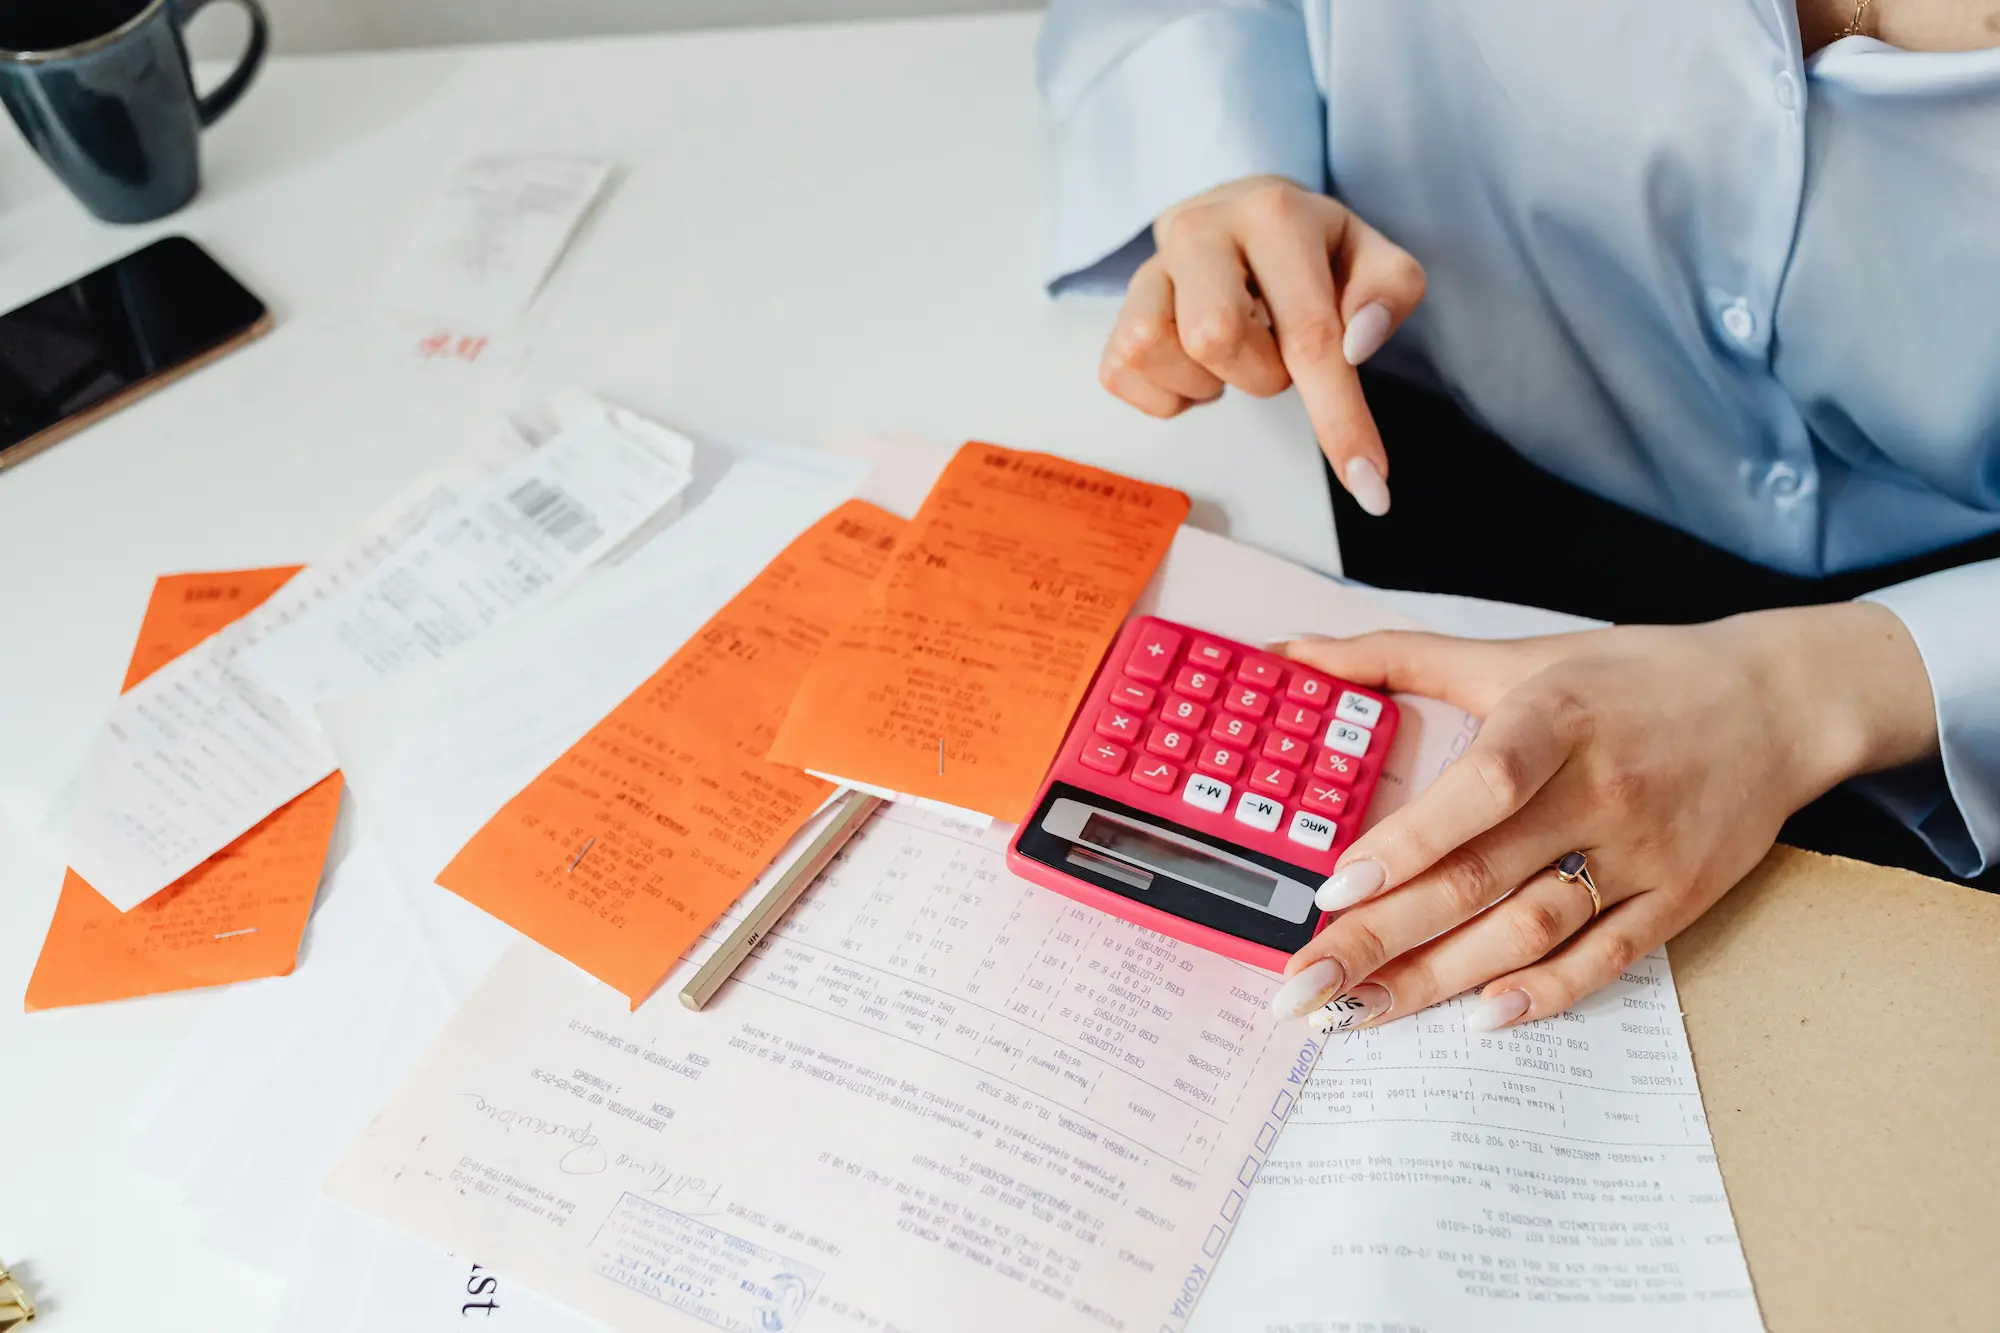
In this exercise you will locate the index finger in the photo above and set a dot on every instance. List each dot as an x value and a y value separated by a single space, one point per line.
1294 268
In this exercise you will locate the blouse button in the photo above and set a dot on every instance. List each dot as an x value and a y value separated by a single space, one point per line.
1738 322
1782 480
1786 90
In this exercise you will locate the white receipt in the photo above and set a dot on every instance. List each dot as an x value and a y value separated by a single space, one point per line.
937 1097
1555 1176
201 751
492 239
558 511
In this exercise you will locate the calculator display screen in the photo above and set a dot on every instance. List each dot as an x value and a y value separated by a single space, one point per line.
1175 859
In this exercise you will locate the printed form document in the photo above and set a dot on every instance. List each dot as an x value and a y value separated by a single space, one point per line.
940 1098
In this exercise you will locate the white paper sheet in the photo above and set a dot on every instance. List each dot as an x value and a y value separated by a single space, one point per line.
431 755
938 1097
199 752
478 261
1556 1176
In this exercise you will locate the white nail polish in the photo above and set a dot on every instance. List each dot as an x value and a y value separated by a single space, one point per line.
1365 484
1307 991
1351 884
1366 333
1366 1002
1494 1012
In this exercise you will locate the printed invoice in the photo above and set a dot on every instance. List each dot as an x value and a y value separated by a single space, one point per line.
937 1098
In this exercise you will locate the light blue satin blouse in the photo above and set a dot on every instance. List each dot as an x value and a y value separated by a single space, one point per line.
1670 259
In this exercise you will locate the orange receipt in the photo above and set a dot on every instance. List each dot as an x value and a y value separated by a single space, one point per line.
957 680
238 915
624 849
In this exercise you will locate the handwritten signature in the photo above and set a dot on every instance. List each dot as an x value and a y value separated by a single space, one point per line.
584 1158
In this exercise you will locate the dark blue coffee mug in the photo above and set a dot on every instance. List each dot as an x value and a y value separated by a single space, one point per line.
102 90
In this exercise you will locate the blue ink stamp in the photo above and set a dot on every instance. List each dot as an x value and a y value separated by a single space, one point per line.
682 1262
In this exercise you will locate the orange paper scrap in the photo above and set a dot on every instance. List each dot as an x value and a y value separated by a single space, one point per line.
638 838
958 679
238 915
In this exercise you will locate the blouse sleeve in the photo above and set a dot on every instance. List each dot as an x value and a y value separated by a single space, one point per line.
1154 101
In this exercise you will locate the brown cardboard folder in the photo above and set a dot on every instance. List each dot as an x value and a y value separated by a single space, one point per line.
1845 1021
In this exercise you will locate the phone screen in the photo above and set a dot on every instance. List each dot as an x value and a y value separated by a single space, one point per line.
131 321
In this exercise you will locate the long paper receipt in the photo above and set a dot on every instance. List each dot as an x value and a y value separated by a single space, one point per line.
238 915
975 647
202 751
625 848
938 1099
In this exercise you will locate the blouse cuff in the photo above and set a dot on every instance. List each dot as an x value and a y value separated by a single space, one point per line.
1954 804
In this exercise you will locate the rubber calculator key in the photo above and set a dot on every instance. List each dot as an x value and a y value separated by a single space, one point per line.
1359 709
1210 654
1246 701
1306 688
1131 694
1336 767
1311 830
1104 756
1220 760
1182 712
1286 749
1324 797
1272 779
1155 774
1115 724
1197 683
1348 739
1169 743
1297 719
1259 812
1206 793
1153 655
1238 731
1263 672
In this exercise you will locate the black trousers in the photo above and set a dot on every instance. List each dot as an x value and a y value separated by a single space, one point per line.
1473 517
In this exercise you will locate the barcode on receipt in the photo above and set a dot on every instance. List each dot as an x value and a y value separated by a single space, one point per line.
557 513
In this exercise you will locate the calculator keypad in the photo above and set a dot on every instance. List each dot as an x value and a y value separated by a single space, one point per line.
1244 744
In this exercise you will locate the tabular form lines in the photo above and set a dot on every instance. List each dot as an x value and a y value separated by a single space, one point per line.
918 931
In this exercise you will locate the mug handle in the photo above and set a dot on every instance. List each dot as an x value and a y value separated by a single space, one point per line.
211 107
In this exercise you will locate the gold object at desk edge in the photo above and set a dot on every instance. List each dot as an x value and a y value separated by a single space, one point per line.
16 1306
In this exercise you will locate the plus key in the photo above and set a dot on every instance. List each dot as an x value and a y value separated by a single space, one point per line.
1153 655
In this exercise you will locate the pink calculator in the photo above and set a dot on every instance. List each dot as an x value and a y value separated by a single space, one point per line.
1205 790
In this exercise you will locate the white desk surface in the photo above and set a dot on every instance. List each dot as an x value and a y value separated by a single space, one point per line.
816 230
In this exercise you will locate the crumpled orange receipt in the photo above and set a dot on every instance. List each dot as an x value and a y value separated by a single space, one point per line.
238 915
620 853
958 679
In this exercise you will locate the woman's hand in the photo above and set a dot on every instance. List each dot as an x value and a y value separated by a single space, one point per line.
1263 285
1669 756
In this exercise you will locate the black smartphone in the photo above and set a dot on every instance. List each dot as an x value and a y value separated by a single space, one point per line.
85 350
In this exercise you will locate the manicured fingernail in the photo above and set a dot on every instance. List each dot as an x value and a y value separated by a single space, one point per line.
1366 333
1350 884
1494 1012
1370 1000
1311 988
1285 643
1365 484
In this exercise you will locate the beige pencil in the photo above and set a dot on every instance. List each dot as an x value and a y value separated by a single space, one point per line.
764 915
